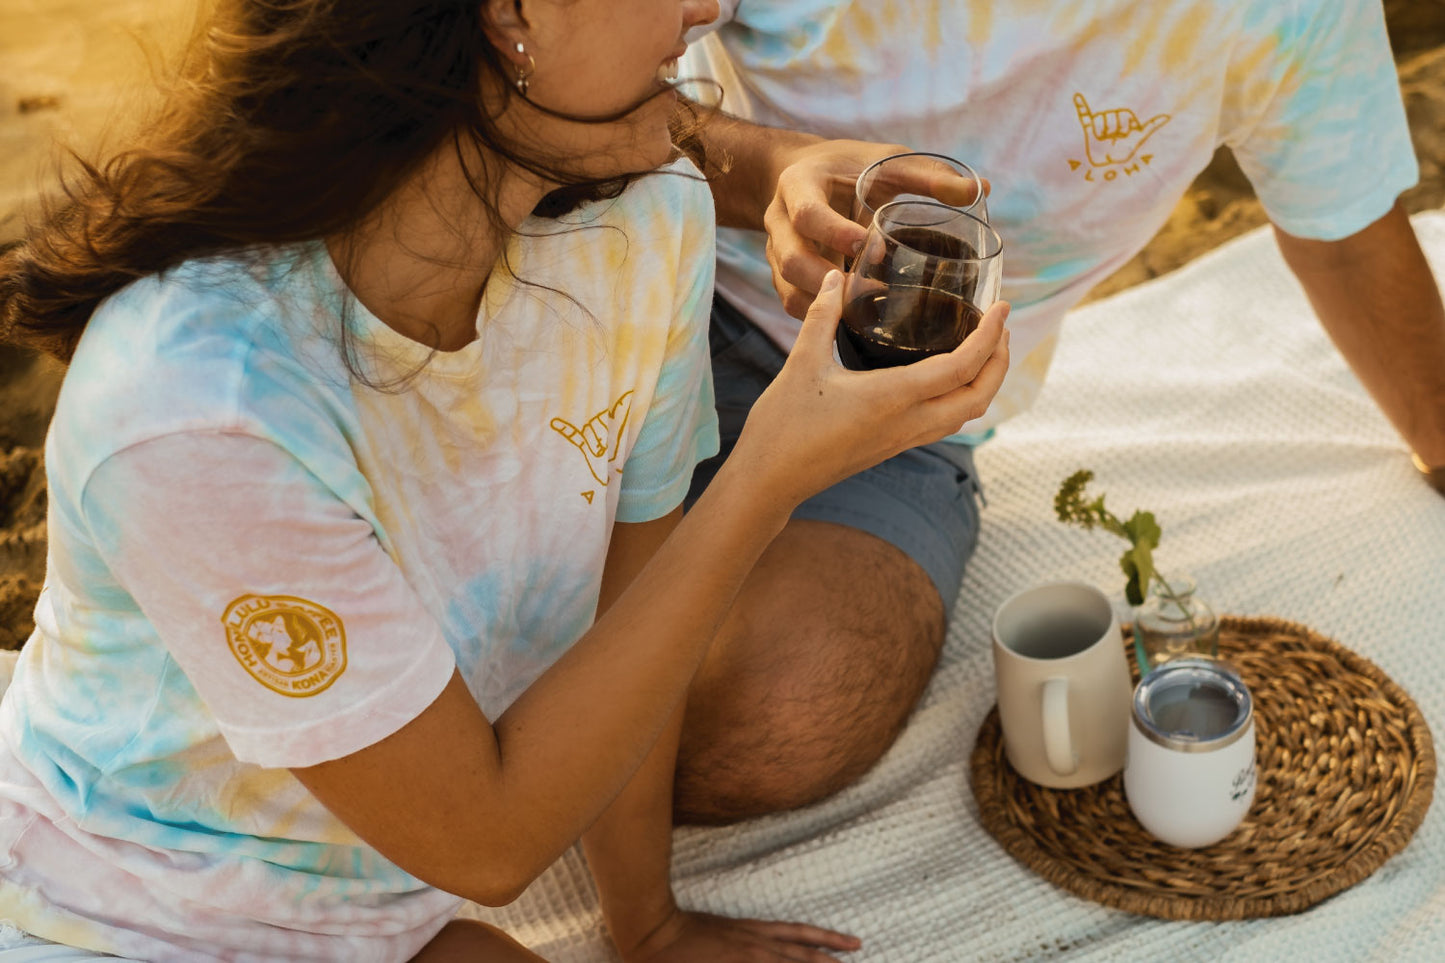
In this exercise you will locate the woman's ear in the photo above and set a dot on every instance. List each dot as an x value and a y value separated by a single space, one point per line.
506 28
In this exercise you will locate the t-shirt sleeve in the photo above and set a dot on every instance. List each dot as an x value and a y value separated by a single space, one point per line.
274 597
1318 124
680 429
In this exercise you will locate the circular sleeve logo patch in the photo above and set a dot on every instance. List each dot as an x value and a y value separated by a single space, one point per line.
288 644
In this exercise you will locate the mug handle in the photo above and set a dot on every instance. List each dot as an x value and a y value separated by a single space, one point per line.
1058 746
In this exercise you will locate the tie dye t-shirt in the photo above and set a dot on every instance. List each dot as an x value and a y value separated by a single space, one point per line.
1090 120
259 563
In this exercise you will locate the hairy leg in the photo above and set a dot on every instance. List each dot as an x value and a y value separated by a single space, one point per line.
828 648
472 941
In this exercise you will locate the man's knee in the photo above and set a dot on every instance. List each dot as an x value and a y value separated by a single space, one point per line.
724 781
780 739
809 686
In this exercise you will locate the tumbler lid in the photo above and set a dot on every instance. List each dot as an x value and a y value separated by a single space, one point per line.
1193 705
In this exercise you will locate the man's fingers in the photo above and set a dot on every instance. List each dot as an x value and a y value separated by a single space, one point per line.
798 268
806 201
924 177
819 223
959 191
795 299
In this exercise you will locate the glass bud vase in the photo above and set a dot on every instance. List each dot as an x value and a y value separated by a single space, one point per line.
1173 623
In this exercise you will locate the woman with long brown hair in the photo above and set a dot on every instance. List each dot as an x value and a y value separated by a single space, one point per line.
368 589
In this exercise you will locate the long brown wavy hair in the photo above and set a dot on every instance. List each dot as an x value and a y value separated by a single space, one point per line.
289 121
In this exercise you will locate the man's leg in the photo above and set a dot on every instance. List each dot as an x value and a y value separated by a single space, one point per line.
836 631
829 646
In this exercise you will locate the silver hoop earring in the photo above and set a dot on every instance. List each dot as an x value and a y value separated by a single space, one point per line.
524 74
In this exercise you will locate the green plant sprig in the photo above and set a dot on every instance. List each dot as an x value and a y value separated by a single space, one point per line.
1073 506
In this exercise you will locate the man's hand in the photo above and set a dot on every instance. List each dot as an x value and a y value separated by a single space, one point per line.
799 188
685 937
809 221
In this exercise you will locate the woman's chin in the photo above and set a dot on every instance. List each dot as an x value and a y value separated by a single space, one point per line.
662 153
637 158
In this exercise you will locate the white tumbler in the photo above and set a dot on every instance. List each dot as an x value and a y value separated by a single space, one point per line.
1190 774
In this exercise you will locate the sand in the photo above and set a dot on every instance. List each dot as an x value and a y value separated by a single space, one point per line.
70 70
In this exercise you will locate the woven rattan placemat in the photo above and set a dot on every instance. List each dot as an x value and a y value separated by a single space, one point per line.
1346 773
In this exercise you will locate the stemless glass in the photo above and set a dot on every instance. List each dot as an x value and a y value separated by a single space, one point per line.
919 286
918 176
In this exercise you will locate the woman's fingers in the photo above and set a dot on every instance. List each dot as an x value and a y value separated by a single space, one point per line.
832 422
941 374
962 384
952 410
799 941
802 934
923 381
820 324
797 953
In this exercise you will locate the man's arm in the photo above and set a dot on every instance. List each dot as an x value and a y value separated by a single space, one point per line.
750 157
1377 299
796 187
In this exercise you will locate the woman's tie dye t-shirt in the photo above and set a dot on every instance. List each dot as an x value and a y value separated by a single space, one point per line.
257 563
1089 119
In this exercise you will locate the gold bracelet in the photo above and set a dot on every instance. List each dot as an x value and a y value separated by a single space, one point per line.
1435 476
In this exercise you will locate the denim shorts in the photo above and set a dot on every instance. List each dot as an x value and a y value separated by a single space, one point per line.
925 501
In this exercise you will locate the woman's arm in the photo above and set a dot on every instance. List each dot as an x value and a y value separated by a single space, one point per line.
480 809
629 848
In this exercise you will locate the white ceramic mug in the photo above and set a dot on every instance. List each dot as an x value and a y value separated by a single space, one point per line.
1063 685
1190 777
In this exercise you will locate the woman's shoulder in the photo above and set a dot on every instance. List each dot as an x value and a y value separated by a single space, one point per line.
661 226
677 188
673 201
218 306
191 349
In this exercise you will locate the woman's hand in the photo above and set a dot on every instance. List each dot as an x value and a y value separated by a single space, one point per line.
819 423
685 937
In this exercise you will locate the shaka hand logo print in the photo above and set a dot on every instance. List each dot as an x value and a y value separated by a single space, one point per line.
1112 138
598 439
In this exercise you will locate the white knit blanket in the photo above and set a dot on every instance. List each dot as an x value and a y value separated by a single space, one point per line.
1213 398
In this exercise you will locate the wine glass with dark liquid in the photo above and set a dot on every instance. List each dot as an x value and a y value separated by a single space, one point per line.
918 176
925 275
